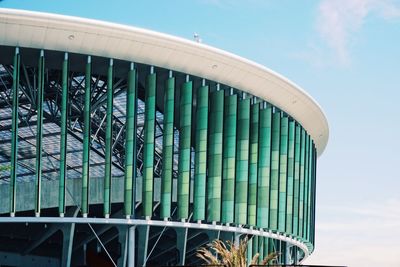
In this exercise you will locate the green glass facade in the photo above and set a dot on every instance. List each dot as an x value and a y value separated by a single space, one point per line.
185 148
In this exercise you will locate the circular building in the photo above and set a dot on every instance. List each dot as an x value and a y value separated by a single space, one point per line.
128 147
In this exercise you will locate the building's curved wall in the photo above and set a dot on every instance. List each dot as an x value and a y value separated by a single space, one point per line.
225 156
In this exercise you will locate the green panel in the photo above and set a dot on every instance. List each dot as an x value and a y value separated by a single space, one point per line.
249 251
148 154
255 244
39 133
108 148
296 186
86 139
314 194
14 134
130 142
274 195
290 178
63 140
266 247
260 249
242 161
253 164
306 179
301 188
185 126
283 158
200 170
264 167
309 186
214 160
168 148
229 154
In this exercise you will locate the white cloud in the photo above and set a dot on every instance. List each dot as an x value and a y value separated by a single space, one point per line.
361 234
339 20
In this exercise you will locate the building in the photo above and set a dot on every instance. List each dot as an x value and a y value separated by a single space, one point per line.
123 145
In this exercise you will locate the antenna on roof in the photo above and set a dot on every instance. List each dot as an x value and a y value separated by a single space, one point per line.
197 38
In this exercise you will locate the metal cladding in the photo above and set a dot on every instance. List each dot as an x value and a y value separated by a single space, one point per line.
140 142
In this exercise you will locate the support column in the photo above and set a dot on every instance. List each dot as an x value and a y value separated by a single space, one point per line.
200 170
148 154
261 249
264 166
130 144
68 239
253 163
283 158
229 159
14 134
266 247
181 240
168 147
242 161
39 133
302 172
296 187
108 148
123 240
274 185
306 185
131 246
86 139
214 179
290 178
63 140
143 242
249 251
254 248
185 126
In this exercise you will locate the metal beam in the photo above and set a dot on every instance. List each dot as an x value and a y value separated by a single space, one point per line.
39 134
130 144
86 140
108 137
14 143
63 139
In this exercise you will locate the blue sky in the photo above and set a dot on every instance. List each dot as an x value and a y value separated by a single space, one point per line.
346 54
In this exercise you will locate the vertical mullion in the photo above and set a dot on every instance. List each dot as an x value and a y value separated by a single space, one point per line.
148 154
296 187
86 138
314 194
214 179
264 166
309 187
63 141
229 154
290 178
253 163
108 148
185 126
274 185
39 133
242 161
301 187
130 143
305 201
201 153
14 142
283 159
168 147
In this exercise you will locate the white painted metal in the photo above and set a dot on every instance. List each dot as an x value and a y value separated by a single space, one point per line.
173 224
91 37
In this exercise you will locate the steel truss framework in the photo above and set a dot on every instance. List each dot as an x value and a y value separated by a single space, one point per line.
67 117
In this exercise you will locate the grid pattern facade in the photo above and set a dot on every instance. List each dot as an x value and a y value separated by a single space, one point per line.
187 148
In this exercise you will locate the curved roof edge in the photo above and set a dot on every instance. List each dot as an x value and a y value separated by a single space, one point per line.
92 37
